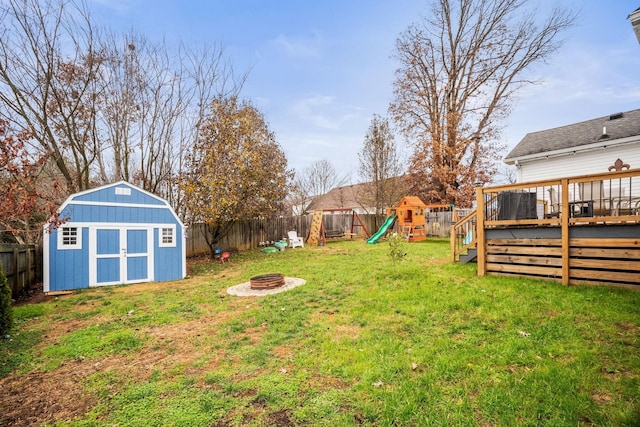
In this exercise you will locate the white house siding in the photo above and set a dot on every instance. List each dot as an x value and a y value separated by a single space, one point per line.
580 163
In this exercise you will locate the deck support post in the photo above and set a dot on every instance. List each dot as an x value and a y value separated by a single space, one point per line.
453 237
480 236
565 231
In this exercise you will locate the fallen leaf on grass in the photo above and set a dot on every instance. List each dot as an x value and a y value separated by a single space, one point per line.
378 384
414 366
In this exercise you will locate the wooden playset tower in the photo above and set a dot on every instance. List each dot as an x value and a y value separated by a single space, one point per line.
411 222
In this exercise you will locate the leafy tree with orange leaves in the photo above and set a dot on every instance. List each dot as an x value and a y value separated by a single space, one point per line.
235 171
27 203
459 70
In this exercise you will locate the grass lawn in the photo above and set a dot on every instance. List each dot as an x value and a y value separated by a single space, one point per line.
361 343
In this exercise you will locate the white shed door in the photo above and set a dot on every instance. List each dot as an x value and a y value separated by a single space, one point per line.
120 255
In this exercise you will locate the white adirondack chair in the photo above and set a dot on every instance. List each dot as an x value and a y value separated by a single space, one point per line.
294 240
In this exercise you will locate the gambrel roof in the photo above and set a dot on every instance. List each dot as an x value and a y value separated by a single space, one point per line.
616 128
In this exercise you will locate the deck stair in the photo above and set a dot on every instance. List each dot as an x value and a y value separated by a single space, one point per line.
463 239
470 256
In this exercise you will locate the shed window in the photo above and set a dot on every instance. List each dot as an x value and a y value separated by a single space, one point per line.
69 238
168 237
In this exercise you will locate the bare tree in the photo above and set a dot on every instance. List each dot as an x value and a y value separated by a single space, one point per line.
299 196
459 70
155 104
321 177
315 180
121 103
505 175
206 74
163 103
380 167
105 107
48 68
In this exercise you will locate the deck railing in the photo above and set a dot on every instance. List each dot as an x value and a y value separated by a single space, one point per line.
571 229
463 235
602 198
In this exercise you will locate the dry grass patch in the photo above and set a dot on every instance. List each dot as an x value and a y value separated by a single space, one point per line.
339 326
36 397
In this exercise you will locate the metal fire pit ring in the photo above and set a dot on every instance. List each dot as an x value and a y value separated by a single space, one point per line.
267 281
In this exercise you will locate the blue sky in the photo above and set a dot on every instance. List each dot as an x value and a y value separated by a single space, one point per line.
321 69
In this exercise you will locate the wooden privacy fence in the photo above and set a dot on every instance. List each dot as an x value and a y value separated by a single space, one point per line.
247 234
255 233
439 223
250 234
22 264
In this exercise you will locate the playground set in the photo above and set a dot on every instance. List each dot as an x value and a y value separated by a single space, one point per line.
318 235
409 216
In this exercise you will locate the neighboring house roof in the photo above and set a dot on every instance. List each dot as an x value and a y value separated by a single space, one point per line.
355 196
604 131
346 197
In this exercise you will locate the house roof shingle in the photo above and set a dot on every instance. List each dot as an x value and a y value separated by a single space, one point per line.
618 126
352 196
338 198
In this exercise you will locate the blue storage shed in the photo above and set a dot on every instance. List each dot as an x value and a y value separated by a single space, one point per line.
113 234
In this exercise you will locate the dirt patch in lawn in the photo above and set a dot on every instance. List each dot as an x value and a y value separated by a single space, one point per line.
40 397
280 418
71 390
37 397
32 295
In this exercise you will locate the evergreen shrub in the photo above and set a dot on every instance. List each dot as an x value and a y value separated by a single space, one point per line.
6 312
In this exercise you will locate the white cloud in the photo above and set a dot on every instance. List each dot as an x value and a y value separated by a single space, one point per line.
312 110
305 148
323 112
299 47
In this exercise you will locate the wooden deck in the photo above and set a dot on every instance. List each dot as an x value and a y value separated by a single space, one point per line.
588 233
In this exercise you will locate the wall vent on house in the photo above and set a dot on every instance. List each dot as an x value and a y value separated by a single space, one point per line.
616 116
123 191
